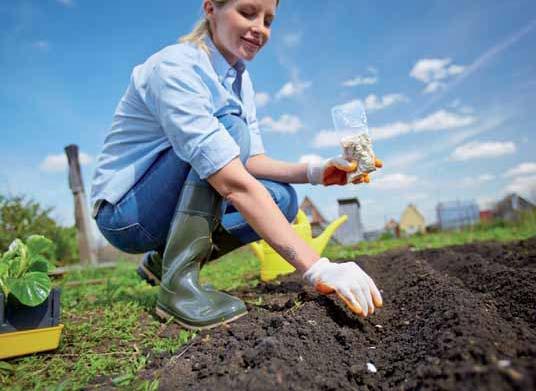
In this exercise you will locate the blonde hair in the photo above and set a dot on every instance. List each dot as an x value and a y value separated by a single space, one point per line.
202 29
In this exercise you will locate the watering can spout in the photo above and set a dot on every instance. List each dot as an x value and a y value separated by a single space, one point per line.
272 264
321 241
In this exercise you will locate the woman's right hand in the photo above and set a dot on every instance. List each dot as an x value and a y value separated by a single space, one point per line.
353 286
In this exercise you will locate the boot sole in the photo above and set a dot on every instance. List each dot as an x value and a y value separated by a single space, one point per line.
162 314
147 275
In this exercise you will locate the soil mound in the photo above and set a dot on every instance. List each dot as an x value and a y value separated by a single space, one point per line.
459 318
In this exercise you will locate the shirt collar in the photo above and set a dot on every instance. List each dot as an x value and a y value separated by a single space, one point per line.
220 64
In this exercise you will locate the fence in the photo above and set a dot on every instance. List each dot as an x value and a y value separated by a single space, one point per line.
457 214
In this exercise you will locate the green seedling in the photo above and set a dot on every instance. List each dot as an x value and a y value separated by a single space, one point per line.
297 305
24 268
255 302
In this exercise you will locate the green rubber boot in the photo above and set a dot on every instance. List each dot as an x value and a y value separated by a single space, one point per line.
150 267
189 243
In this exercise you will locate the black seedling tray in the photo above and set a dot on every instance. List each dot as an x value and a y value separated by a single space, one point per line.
17 317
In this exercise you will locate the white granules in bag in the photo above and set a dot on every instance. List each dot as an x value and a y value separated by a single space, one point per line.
359 149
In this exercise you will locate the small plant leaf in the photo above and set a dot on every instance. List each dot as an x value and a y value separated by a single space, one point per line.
40 245
40 264
13 251
14 266
17 258
4 268
31 289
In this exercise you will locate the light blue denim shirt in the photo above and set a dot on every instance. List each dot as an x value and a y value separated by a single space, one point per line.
174 99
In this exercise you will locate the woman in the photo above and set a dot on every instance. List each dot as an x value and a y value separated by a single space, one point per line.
185 138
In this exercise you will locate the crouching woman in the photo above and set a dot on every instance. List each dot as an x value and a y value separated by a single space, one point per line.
183 175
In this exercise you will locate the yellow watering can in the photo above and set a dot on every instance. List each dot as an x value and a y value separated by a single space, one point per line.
273 265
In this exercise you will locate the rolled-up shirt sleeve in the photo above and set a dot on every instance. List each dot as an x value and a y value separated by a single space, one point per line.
256 144
183 104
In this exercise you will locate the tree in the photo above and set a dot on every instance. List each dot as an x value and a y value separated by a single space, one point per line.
20 218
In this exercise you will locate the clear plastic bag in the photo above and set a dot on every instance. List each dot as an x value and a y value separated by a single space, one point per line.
351 119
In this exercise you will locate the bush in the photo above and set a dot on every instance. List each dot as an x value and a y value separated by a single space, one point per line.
388 235
20 218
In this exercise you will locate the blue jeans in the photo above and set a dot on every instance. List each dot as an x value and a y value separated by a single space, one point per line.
140 220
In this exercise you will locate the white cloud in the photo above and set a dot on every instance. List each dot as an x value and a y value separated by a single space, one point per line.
41 45
292 39
431 69
455 70
285 124
440 120
311 159
363 80
391 130
394 181
485 178
67 3
55 163
489 122
360 81
373 102
479 180
292 89
404 160
525 185
467 110
527 168
329 138
443 119
434 71
476 150
433 87
483 60
262 99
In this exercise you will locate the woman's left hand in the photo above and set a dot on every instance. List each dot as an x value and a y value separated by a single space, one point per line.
334 171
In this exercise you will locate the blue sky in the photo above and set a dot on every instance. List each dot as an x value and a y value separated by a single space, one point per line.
449 88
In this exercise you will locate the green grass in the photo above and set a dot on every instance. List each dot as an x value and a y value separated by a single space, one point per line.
498 231
111 331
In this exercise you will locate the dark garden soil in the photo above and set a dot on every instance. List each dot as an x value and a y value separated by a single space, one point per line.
458 318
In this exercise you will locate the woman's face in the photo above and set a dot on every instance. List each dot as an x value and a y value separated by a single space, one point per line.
241 27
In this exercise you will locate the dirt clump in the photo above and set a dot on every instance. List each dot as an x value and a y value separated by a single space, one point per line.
458 318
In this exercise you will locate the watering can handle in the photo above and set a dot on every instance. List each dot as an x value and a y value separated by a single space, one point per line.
301 217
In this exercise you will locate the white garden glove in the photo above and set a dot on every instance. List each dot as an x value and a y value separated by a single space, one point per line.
330 171
353 286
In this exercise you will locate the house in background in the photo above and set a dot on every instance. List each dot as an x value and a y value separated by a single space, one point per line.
510 207
317 221
350 232
393 228
412 221
486 216
457 214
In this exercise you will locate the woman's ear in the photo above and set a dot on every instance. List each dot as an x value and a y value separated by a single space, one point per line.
208 8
